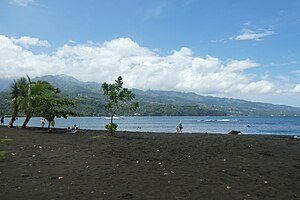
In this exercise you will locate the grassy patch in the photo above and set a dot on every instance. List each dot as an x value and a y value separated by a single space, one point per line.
2 154
103 137
5 140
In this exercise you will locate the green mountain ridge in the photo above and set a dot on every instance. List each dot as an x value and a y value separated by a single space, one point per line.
90 101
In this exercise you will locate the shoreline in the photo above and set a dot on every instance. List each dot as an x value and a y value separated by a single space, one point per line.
42 165
102 131
200 124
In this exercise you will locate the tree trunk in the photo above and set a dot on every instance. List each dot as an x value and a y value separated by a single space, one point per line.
27 119
111 119
12 121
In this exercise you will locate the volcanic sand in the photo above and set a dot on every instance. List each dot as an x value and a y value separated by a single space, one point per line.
93 165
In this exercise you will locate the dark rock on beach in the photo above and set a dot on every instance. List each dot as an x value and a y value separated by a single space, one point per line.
233 132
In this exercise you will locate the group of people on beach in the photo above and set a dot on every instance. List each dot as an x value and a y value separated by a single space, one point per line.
179 127
73 129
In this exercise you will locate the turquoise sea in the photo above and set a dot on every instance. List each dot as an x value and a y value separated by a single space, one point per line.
275 125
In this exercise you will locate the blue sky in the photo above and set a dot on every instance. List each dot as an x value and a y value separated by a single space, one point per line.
239 49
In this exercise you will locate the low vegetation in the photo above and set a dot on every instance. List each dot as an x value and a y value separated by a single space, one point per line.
3 154
2 140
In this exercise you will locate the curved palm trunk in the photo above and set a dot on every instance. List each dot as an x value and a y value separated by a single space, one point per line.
12 121
28 102
14 116
27 119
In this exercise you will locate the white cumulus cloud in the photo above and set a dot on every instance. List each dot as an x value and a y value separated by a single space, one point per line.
296 89
140 67
16 61
26 41
240 65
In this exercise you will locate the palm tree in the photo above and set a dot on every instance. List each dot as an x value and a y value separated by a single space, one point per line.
44 100
37 98
18 92
37 93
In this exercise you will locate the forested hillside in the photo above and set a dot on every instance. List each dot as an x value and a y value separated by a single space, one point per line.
90 101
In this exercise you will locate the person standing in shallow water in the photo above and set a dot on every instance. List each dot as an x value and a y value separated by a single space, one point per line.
180 127
42 123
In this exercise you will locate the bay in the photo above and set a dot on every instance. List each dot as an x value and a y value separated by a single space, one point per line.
275 125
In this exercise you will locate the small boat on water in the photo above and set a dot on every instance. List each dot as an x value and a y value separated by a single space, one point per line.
114 117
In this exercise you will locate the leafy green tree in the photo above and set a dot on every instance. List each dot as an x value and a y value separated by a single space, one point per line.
5 103
53 106
38 98
36 94
44 100
119 98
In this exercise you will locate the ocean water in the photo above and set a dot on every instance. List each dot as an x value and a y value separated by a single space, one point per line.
275 125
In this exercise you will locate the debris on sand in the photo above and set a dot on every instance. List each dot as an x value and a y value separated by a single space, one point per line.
297 137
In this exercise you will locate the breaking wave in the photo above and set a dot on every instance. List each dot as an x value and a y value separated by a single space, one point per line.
217 120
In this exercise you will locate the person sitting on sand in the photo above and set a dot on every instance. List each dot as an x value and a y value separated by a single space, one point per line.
74 129
71 129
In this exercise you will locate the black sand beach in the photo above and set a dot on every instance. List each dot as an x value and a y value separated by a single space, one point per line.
42 165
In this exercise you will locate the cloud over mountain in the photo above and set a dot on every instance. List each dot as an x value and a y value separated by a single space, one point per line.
140 67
